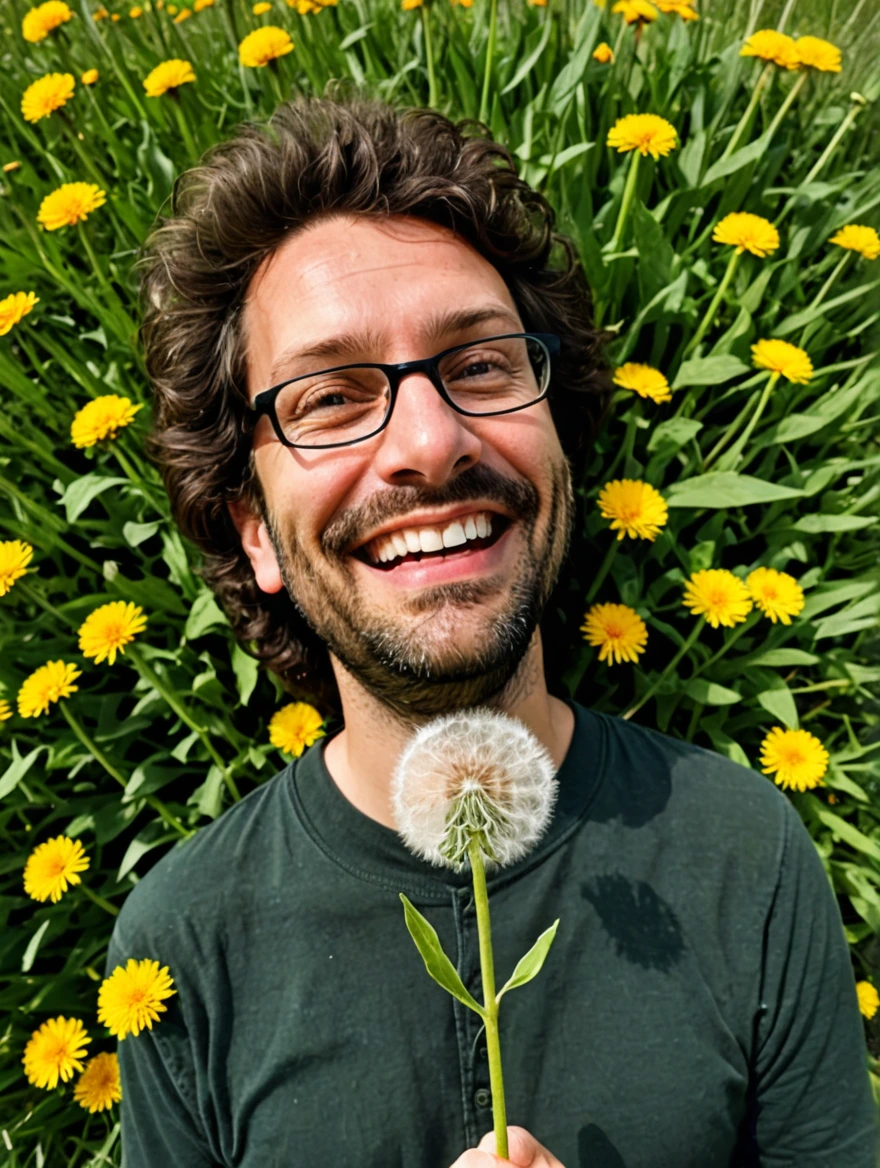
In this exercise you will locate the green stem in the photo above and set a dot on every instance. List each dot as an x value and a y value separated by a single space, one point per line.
185 131
603 570
748 623
114 306
730 458
105 904
490 1002
33 595
99 756
628 194
828 283
490 52
429 57
786 105
652 689
750 109
706 322
149 675
626 447
832 145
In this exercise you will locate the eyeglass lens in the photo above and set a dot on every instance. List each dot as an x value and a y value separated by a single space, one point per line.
322 409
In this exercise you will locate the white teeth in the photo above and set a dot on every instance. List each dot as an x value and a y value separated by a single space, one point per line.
413 544
483 528
454 535
470 528
400 545
430 539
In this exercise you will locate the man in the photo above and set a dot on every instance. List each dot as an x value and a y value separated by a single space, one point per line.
386 539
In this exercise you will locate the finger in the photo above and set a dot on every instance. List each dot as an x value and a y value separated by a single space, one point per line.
474 1158
522 1147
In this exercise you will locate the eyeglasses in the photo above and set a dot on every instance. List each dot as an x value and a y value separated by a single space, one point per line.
337 407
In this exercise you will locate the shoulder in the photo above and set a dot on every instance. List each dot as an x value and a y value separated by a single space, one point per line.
190 883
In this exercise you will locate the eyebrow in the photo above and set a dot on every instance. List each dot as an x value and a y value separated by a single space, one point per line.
437 325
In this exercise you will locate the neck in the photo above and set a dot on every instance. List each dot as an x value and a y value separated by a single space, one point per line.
362 756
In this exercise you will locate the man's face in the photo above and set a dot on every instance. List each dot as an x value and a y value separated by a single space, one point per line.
431 632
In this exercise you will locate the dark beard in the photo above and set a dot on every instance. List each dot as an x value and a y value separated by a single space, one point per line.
385 656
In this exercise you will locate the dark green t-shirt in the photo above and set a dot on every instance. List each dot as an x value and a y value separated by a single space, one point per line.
697 1008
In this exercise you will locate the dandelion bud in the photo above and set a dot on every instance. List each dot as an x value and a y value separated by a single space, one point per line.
473 774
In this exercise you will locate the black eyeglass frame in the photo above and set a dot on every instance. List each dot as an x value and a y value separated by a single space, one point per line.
264 402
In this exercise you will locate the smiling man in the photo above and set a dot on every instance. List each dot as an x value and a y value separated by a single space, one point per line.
376 378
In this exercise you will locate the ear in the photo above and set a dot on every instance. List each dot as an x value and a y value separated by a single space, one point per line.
257 546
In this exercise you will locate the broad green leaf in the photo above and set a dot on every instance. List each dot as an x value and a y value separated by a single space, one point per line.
572 72
793 427
152 836
737 160
530 965
791 324
33 946
673 434
781 657
246 670
17 769
818 524
726 489
82 491
531 59
709 693
844 830
709 371
205 614
209 796
779 701
137 533
834 592
436 962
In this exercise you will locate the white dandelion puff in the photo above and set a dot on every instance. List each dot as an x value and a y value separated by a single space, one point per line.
473 774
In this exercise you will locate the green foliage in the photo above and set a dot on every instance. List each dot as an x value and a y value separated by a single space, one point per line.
179 721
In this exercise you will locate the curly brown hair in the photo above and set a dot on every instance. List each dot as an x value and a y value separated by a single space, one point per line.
343 153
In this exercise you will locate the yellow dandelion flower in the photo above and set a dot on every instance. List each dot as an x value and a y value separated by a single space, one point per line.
5 710
462 3
54 1051
778 595
408 5
634 11
15 555
52 867
864 240
89 77
797 758
115 17
71 203
101 419
770 45
869 999
264 45
747 232
635 508
50 683
782 358
131 998
99 1086
647 133
8 167
135 13
305 7
682 8
12 309
45 95
262 8
643 380
184 14
294 727
40 21
719 596
618 630
172 9
604 54
100 13
814 53
538 3
107 630
199 5
168 76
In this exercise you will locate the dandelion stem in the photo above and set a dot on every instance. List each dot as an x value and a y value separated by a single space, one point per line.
786 105
730 458
490 1002
603 570
654 686
33 595
706 322
149 675
105 904
743 123
748 623
185 131
490 52
827 285
628 193
429 58
99 756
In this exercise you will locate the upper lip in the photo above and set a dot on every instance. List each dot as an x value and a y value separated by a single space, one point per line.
429 519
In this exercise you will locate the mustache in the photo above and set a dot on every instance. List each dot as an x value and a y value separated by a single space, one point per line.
478 483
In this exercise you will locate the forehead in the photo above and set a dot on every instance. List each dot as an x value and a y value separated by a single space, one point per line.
386 277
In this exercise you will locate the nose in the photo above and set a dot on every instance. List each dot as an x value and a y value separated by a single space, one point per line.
426 441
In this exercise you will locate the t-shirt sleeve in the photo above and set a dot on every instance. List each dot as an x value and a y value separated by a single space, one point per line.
158 1112
812 1103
